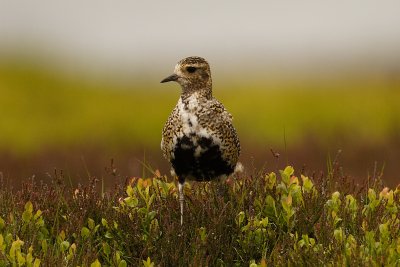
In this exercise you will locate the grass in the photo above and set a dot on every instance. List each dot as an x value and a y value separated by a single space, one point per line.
46 108
276 219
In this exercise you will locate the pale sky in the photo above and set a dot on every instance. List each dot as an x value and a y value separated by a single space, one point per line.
150 33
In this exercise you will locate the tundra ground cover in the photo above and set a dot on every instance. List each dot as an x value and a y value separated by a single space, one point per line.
269 218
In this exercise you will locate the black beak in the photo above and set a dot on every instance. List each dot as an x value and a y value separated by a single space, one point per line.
173 77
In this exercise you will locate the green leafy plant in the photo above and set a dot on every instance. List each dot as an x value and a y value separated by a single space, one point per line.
260 220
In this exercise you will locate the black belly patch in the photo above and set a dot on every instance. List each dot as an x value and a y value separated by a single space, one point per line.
203 167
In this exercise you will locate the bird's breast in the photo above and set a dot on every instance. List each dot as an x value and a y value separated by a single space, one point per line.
189 111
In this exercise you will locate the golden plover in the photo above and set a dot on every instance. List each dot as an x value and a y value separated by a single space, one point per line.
198 138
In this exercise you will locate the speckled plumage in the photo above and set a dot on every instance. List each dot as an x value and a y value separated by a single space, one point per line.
199 139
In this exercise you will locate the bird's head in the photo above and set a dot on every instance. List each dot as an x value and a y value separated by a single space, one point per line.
193 74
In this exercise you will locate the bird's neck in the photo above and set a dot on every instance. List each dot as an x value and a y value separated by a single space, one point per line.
203 92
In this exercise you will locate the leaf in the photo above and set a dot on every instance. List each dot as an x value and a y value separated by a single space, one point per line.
61 235
1 243
264 222
240 218
96 263
15 250
117 255
108 235
289 171
351 204
371 195
148 263
104 222
307 184
150 200
29 258
72 249
338 234
384 231
287 202
91 224
270 207
294 180
335 195
203 233
270 180
26 215
2 224
37 214
131 201
44 246
20 258
39 222
85 232
130 191
151 215
285 177
29 207
106 248
64 246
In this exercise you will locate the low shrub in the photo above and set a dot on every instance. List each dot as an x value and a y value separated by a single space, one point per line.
283 218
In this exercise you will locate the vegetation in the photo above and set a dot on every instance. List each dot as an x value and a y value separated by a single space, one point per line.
269 218
274 219
46 108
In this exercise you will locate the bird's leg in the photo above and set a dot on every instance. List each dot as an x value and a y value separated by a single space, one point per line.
221 186
181 198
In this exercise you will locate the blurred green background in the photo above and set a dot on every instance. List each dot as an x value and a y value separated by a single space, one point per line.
77 90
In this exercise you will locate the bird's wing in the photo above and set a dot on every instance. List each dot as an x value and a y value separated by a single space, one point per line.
171 128
219 121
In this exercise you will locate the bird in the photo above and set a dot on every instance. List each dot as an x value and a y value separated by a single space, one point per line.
198 138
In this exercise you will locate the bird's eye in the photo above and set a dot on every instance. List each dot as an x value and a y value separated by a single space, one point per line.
191 69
